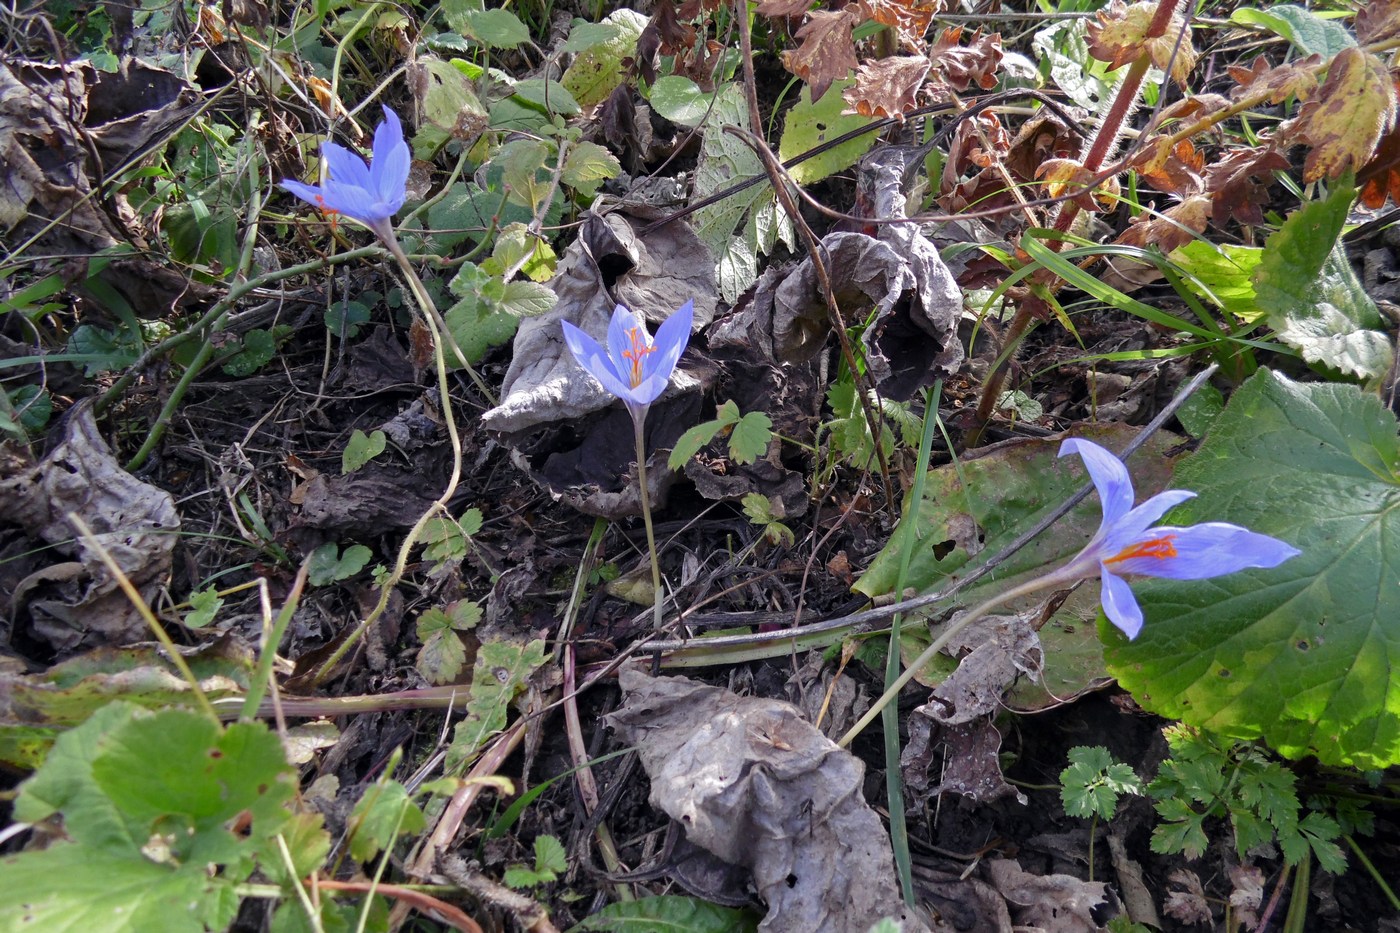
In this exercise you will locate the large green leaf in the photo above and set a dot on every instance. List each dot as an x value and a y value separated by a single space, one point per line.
1304 655
1306 285
808 125
670 912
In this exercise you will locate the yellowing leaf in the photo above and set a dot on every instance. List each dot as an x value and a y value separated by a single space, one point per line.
1343 124
1121 35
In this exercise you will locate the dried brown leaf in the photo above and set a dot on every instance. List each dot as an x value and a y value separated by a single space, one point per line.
827 52
1354 108
1294 79
781 8
910 20
1067 176
1173 227
1378 21
1239 181
888 87
1120 35
1380 178
1189 906
1247 883
961 66
1171 169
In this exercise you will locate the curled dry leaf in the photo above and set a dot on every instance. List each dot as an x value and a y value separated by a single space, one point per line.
1189 904
909 20
888 87
1377 21
564 429
77 603
1067 176
1061 903
1291 79
752 782
1380 178
1171 169
1176 226
960 66
1238 183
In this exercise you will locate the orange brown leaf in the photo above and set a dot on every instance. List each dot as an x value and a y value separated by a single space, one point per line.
961 66
1173 227
827 52
1238 184
908 18
1171 169
888 87
1378 21
1295 79
1380 178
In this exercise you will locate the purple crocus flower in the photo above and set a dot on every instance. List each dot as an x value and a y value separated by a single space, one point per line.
371 194
634 367
1125 544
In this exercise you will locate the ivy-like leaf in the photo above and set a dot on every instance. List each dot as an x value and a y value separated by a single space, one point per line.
441 658
361 449
383 814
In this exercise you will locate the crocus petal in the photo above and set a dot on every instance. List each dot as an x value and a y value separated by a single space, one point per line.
310 193
671 338
1211 549
344 166
620 329
1110 477
1128 528
595 360
350 200
389 172
1119 604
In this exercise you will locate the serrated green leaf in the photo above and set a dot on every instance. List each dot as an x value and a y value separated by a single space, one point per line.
500 673
382 815
1187 837
1299 654
587 166
749 438
516 245
758 508
441 658
550 855
690 443
596 72
671 912
448 101
204 606
343 319
498 29
1313 299
808 125
523 163
525 299
680 100
361 449
107 349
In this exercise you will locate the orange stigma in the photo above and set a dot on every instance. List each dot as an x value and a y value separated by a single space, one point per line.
1160 548
640 348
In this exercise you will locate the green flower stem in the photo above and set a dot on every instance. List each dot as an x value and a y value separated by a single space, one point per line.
438 330
658 595
1057 578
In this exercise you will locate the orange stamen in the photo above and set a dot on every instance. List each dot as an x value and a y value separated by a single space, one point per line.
1160 548
640 348
331 214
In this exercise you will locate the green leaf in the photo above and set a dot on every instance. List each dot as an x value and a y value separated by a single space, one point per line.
449 103
343 320
1305 29
361 449
808 125
1313 299
1301 654
670 912
259 346
689 443
441 658
328 566
204 606
584 36
107 349
72 887
758 508
515 244
749 438
446 539
587 166
680 100
596 73
382 815
500 673
498 29
525 299
1222 273
524 175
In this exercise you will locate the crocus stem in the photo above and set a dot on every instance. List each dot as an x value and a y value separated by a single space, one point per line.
1060 577
638 422
429 309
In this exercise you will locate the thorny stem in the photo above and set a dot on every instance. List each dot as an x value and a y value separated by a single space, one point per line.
1100 148
1056 578
639 417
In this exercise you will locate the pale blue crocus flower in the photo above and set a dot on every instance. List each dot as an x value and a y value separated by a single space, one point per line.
634 367
371 194
1127 545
